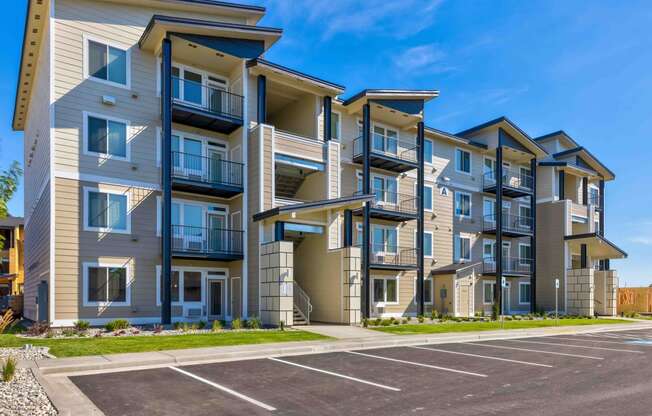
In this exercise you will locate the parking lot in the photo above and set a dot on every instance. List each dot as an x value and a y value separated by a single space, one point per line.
584 374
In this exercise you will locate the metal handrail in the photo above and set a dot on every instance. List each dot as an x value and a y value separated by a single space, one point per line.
206 169
301 301
213 100
202 240
510 264
393 201
409 153
514 223
511 177
392 255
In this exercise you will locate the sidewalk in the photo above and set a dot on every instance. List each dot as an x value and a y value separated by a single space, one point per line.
244 352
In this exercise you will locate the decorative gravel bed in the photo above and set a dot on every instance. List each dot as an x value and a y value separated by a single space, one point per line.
24 396
33 353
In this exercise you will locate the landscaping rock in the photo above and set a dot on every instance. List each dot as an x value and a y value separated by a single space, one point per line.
24 396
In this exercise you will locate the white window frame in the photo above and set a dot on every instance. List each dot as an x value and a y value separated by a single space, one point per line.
432 198
521 284
86 39
185 135
492 243
462 216
385 128
204 284
432 155
101 189
128 132
85 283
385 228
459 237
493 164
484 284
385 302
205 206
432 288
470 172
204 80
520 263
432 244
339 125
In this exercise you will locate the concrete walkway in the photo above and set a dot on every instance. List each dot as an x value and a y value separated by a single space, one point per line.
243 352
343 331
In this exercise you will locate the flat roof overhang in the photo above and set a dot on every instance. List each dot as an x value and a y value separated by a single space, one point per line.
515 132
435 133
599 248
572 169
453 268
294 78
591 160
160 26
214 7
291 211
398 107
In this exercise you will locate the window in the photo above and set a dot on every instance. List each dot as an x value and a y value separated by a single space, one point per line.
489 209
488 292
427 289
462 204
427 151
107 63
384 140
187 285
489 251
594 196
358 235
106 211
463 161
385 290
525 177
335 126
462 248
105 137
525 216
385 190
524 293
427 244
489 168
105 284
191 286
427 197
524 254
384 239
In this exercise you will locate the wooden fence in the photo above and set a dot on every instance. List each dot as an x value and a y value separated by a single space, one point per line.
634 299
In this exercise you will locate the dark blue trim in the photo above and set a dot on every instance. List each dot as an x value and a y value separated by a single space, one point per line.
583 256
509 141
279 231
556 133
365 92
421 296
262 62
166 180
602 207
562 185
457 138
533 238
328 108
582 149
310 205
348 228
495 122
226 4
498 256
366 225
240 48
262 99
404 106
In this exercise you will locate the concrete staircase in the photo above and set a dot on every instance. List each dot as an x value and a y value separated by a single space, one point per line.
302 306
298 318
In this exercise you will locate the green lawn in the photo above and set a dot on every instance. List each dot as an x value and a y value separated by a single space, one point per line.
74 347
488 326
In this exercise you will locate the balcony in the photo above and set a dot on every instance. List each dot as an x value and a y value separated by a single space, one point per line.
512 225
515 183
205 107
388 153
384 257
392 206
207 243
206 175
512 266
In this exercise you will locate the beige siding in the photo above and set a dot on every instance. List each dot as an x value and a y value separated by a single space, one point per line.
37 252
333 169
299 117
550 253
297 146
267 168
255 170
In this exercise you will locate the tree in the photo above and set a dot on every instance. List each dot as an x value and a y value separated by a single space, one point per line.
8 185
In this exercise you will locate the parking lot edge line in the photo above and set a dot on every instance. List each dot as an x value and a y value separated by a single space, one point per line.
594 340
319 370
435 367
485 356
225 389
575 346
537 351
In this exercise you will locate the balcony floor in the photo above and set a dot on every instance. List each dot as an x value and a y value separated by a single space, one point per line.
386 162
388 215
509 233
189 255
197 117
397 267
508 191
199 187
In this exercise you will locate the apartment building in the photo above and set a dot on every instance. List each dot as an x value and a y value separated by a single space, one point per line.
12 274
173 173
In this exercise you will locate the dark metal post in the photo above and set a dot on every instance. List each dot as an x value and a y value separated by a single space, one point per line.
279 231
498 295
533 239
420 225
166 181
585 191
348 228
328 108
366 189
262 99
583 256
601 196
562 185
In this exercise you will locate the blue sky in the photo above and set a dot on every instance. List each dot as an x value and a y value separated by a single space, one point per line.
580 66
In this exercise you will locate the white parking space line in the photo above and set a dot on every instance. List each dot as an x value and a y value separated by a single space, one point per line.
330 373
484 356
602 341
226 390
575 346
610 336
434 367
537 351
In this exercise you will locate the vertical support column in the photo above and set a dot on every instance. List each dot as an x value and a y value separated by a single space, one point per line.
498 293
348 228
585 191
327 118
262 99
583 256
420 225
533 239
562 185
604 263
366 189
166 181
279 231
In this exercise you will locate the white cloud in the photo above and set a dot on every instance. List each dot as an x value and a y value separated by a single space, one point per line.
502 95
422 59
641 239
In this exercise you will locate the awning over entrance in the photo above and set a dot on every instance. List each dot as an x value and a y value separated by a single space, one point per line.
598 247
453 268
291 211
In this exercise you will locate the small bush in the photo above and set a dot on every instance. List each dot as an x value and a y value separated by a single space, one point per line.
404 321
68 332
8 369
378 321
386 322
49 334
254 323
396 322
201 324
420 318
81 325
508 318
194 326
281 325
216 326
365 323
38 329
236 323
434 315
409 318
495 311
116 324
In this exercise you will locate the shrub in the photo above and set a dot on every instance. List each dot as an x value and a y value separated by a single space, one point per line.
38 329
377 321
495 311
236 323
116 324
420 318
365 323
396 322
216 326
386 322
6 320
8 369
194 326
201 324
404 321
254 323
508 318
68 332
81 325
281 325
434 315
409 318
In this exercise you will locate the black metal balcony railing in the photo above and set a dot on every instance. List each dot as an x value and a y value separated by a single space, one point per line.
511 179
207 170
514 224
394 201
511 265
406 151
594 200
207 98
392 255
207 241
